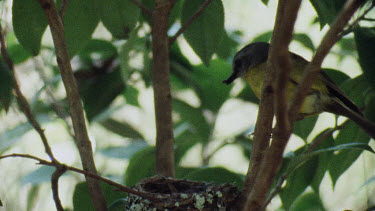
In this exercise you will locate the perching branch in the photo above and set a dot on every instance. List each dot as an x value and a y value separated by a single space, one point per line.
164 158
75 104
25 107
279 64
142 7
189 21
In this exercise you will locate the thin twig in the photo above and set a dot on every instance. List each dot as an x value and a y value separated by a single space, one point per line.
60 170
25 107
354 24
75 105
189 21
64 5
56 106
145 9
86 173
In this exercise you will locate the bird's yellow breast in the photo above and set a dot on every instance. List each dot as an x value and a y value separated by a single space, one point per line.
313 102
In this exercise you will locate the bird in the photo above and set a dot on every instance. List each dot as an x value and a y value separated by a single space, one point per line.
324 96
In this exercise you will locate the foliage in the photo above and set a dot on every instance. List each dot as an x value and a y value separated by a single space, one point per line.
109 79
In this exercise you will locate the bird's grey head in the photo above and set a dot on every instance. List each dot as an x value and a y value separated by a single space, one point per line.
249 56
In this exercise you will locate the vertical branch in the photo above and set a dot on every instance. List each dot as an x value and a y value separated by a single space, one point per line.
75 104
279 64
263 127
162 90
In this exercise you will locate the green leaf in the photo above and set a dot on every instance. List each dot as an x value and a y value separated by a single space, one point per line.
41 175
16 51
80 21
204 34
132 46
131 96
121 128
227 47
181 69
144 159
327 10
32 196
102 48
181 172
29 24
305 40
11 136
245 142
365 41
337 76
370 104
216 175
1 203
109 85
360 91
82 199
124 152
308 202
353 136
304 127
6 85
195 118
323 159
212 92
265 37
118 16
265 2
184 141
298 181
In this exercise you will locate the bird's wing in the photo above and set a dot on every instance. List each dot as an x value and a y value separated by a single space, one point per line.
335 91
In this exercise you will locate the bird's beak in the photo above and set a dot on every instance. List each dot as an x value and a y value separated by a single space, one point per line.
231 78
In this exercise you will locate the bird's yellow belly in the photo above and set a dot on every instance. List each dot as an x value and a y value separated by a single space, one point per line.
311 105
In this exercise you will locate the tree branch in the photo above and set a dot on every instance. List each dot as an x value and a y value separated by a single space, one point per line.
357 20
164 155
75 104
24 105
189 21
64 5
143 7
278 63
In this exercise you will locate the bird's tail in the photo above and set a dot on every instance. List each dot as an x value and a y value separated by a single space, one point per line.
357 117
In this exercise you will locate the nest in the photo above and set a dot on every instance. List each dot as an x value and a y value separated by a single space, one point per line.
180 194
